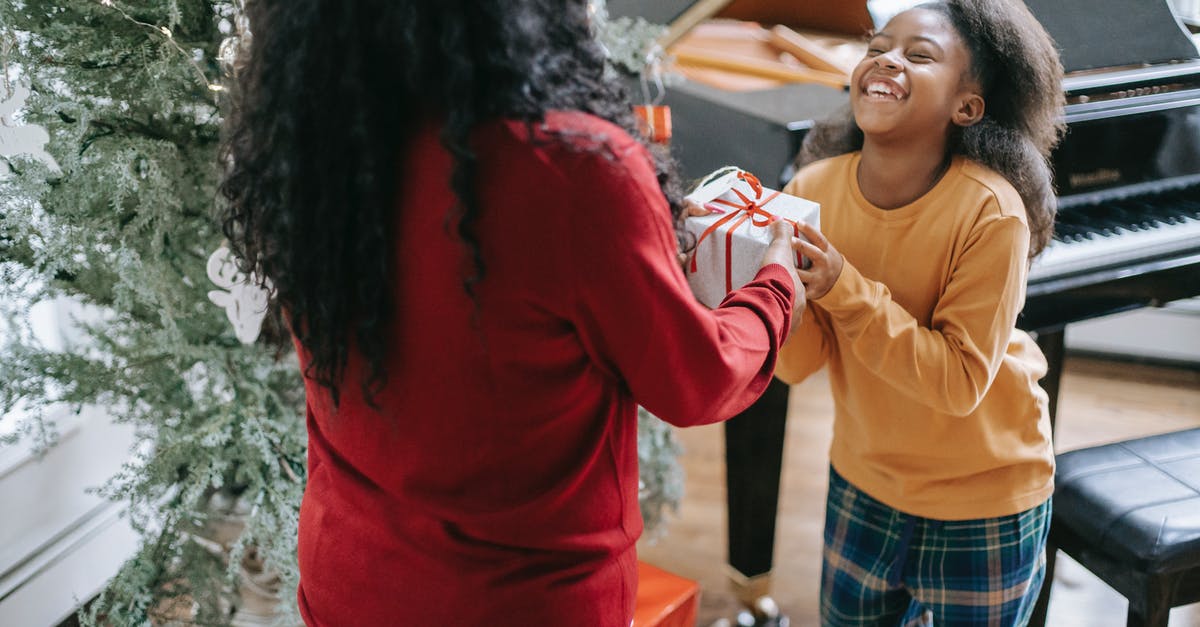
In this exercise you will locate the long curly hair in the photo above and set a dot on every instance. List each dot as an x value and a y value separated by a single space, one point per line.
327 96
1016 64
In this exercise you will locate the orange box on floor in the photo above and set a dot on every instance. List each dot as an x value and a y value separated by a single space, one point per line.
664 599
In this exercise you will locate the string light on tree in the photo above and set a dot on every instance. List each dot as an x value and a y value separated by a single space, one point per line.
211 86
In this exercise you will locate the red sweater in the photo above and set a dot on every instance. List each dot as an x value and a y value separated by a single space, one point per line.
498 485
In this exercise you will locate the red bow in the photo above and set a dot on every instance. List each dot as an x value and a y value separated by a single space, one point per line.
748 210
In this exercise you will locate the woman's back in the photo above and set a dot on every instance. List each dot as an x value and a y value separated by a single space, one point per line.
502 463
496 439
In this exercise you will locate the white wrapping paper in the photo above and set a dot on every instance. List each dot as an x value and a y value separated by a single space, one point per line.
743 228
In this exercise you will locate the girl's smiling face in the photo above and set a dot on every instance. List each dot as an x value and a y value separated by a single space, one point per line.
915 79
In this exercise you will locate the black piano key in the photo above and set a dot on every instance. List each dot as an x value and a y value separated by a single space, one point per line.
1177 208
1102 223
1191 208
1115 218
1153 213
1121 217
1132 220
1073 232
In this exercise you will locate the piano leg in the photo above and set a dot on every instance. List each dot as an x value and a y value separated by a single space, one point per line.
753 461
1052 345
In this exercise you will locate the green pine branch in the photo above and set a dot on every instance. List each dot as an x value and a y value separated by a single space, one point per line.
125 229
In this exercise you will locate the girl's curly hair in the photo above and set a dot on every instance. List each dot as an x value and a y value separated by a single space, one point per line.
327 97
1016 64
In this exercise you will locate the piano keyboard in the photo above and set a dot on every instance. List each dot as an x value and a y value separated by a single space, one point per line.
1121 231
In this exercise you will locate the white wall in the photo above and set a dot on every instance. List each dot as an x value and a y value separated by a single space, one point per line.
1170 333
58 543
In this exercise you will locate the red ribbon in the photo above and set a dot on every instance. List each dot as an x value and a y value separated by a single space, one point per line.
748 210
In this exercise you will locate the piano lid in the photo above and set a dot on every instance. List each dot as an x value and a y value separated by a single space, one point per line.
1091 34
1094 34
757 128
664 12
835 16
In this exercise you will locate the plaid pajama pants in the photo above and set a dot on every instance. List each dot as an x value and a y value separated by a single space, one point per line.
887 568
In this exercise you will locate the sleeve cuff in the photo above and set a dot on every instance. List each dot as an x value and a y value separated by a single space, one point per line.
778 273
779 281
847 292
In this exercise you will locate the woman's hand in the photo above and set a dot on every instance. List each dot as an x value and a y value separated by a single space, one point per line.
691 208
826 264
782 250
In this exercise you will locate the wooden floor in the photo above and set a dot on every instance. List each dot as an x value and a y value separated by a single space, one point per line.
1100 402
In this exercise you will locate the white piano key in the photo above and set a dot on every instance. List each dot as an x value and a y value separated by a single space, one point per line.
1100 251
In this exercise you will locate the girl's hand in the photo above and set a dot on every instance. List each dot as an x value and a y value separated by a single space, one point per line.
782 250
826 262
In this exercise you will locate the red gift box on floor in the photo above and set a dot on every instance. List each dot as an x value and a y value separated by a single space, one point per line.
664 599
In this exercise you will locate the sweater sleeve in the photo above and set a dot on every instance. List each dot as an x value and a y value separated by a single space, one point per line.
638 319
950 365
807 349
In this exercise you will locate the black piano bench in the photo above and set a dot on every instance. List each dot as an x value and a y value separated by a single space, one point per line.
1130 513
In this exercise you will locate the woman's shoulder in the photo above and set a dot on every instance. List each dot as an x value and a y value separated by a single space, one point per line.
577 132
569 148
989 185
591 157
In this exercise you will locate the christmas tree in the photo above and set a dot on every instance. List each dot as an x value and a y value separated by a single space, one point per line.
121 219
129 94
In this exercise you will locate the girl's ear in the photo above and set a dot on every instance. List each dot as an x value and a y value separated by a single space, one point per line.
970 110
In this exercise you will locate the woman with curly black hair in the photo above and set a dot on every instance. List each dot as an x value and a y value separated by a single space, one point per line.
935 193
477 262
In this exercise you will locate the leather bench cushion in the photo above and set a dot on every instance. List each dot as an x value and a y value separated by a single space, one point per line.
1138 501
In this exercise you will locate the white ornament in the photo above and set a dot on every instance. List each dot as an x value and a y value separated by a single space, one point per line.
245 302
25 139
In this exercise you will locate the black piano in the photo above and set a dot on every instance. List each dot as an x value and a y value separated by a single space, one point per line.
1127 175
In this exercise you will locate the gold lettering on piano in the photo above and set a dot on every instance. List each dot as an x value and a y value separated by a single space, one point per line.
1095 177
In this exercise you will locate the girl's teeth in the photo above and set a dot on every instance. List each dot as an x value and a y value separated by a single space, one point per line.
880 90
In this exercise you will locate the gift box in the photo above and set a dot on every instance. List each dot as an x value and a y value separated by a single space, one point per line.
665 599
730 241
654 122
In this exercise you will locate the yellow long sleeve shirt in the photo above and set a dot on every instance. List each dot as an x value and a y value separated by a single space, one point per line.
938 409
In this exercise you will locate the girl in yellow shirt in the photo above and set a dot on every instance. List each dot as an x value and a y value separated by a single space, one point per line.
935 194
